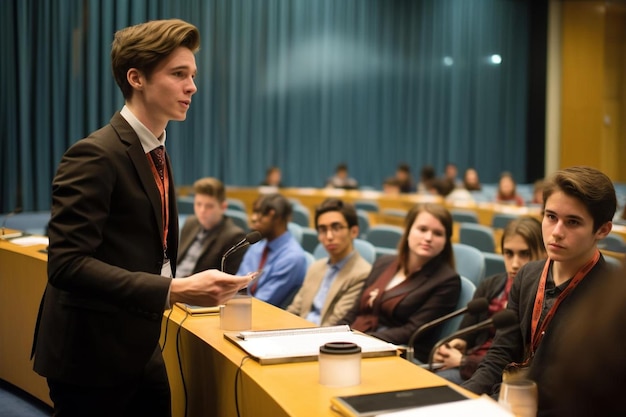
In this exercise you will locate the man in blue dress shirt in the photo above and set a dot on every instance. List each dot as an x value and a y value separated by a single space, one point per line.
279 258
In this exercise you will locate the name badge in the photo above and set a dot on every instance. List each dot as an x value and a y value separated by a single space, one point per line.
166 270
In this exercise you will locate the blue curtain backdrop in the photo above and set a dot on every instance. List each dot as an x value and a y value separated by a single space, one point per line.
301 84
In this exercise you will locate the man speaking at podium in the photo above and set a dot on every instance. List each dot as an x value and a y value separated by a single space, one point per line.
114 236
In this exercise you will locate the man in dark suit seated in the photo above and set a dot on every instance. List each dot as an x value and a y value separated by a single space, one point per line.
208 234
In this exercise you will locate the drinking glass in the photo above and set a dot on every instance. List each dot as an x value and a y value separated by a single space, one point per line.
519 396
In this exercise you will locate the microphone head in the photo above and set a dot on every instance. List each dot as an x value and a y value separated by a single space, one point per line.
253 237
478 305
504 318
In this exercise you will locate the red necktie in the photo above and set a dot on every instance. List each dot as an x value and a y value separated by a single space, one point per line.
158 156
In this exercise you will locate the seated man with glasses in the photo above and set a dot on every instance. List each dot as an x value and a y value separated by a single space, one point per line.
279 258
332 284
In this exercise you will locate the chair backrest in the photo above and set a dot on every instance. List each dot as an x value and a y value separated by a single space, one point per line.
185 205
309 239
500 220
364 223
309 259
494 264
236 204
33 222
613 242
384 235
467 293
301 215
478 236
380 251
469 261
296 231
365 249
239 218
464 216
366 205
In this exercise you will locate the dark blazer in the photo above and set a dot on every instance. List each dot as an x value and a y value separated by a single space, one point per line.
101 313
428 294
221 238
509 344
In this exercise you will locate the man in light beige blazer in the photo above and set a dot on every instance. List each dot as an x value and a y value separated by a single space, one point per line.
332 285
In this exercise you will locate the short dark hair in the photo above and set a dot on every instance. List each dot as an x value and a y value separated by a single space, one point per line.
590 186
347 210
268 202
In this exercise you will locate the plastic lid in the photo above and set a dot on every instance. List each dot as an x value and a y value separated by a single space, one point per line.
340 348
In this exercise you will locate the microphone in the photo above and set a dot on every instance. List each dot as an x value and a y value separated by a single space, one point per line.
501 320
250 239
15 211
477 306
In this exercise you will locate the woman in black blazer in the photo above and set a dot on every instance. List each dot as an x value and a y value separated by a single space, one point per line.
418 285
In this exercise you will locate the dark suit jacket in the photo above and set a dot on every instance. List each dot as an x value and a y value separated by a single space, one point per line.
428 294
224 236
509 344
101 313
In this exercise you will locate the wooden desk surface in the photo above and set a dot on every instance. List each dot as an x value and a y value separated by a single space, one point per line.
290 389
23 279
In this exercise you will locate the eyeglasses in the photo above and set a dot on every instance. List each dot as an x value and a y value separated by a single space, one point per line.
334 227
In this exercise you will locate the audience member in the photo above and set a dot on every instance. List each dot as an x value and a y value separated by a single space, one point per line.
342 179
521 243
391 186
332 285
471 182
579 205
538 192
278 258
451 172
507 192
209 233
403 175
418 285
589 364
114 239
273 177
427 178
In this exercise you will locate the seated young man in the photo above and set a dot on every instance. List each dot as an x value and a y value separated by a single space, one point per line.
579 203
332 285
208 234
278 258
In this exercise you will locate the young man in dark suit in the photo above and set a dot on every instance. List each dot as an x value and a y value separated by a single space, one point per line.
579 203
209 233
114 237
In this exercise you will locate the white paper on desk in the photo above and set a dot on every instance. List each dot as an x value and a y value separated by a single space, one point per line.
298 345
482 406
30 240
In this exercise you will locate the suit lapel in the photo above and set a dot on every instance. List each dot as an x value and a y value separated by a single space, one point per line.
140 161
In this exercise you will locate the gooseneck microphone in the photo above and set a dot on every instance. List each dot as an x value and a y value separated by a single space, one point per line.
250 239
15 211
501 320
477 306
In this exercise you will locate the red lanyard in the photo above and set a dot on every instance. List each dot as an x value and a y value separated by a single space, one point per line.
537 334
164 191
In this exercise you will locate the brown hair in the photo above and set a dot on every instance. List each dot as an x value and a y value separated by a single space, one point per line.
145 45
529 229
210 186
441 214
589 185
